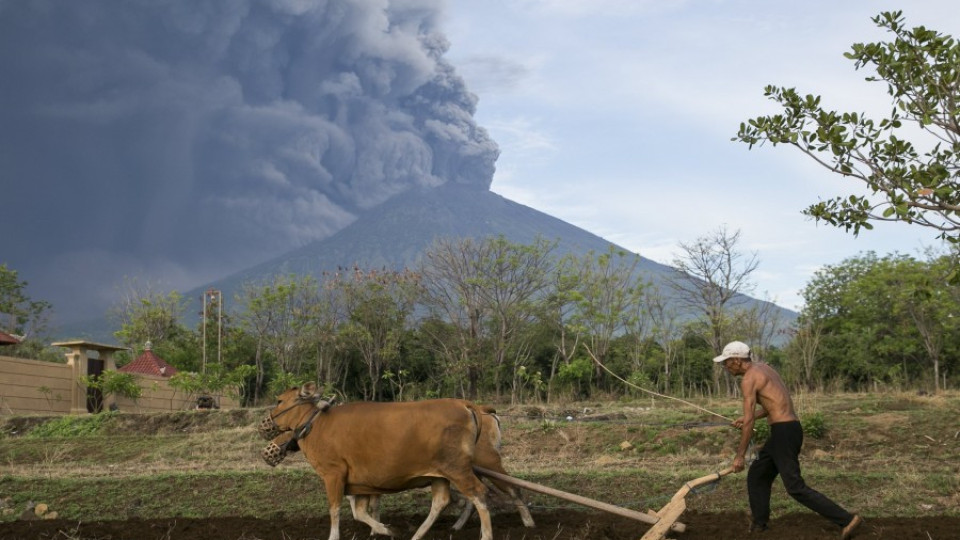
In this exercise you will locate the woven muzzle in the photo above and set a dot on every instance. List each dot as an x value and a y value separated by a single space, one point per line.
273 454
268 429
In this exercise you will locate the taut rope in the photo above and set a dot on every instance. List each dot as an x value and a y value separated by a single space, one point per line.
651 392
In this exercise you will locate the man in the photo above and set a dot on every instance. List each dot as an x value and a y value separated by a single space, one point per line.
762 385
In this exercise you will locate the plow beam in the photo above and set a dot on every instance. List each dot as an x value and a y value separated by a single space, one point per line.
591 503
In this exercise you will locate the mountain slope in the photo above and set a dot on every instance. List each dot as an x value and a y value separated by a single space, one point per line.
395 234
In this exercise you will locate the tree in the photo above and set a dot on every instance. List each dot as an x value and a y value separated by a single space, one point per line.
112 383
490 291
883 319
145 314
513 278
804 346
279 315
920 292
607 300
19 314
921 69
712 277
667 330
559 311
450 275
380 304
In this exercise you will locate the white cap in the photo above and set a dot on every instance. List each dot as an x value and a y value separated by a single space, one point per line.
734 349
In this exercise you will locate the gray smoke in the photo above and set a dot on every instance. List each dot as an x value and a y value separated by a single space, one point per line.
182 140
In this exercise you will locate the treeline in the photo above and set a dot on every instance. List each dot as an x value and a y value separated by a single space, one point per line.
505 322
485 319
879 321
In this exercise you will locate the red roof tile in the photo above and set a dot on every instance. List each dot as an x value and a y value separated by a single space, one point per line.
150 364
7 339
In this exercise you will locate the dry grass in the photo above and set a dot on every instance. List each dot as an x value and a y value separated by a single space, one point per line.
877 448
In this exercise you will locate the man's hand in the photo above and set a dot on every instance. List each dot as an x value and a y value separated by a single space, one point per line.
739 463
738 423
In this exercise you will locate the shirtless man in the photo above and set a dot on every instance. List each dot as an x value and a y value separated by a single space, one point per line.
762 385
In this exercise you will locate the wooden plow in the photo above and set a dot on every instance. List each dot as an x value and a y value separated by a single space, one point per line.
669 514
663 521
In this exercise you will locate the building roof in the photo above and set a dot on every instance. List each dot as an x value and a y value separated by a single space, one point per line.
7 339
149 363
88 345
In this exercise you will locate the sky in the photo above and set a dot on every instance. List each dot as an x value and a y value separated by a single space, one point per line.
617 116
179 141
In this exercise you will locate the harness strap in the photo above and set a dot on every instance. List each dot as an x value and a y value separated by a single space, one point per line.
304 430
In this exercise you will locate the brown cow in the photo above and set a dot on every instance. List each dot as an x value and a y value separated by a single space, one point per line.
377 448
487 455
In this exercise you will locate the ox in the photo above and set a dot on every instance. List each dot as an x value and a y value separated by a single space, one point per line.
368 449
486 455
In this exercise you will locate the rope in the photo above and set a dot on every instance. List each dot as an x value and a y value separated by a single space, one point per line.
651 392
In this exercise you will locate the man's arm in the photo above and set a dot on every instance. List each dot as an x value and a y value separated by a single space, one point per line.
749 390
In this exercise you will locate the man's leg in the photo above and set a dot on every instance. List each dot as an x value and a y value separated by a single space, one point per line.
760 478
787 462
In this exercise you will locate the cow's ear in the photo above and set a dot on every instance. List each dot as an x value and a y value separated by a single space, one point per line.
323 405
308 390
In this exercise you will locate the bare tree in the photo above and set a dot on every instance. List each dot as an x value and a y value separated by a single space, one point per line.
560 312
804 345
489 290
759 325
451 277
667 330
607 300
712 277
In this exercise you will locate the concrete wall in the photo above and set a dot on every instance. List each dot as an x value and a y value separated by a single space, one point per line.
31 386
159 396
35 387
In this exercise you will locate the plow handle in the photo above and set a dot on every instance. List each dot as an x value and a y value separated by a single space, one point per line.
693 484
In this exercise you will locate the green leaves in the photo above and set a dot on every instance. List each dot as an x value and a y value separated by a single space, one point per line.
921 69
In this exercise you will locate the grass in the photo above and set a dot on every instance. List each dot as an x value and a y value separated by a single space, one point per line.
879 454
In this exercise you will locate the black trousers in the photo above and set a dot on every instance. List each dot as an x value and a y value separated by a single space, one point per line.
780 456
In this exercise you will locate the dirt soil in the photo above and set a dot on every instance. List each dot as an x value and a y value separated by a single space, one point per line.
565 525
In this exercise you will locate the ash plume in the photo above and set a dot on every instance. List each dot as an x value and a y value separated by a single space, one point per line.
181 140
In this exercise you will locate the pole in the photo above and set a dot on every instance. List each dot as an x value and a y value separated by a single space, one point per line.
584 501
203 365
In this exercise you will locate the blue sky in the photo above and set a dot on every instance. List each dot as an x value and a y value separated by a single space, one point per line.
617 115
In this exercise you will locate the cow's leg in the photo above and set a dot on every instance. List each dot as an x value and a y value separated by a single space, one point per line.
361 513
476 492
513 494
464 516
334 485
491 460
374 507
440 489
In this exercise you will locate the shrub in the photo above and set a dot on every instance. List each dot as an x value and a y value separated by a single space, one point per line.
72 426
814 425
